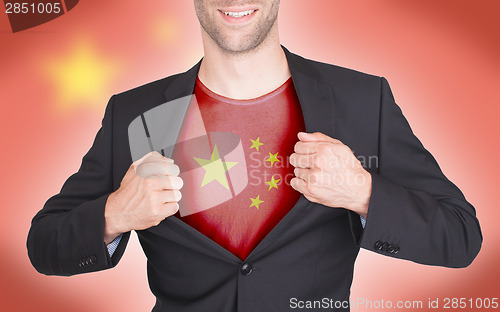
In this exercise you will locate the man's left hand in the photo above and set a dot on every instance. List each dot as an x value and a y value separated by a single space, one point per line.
327 172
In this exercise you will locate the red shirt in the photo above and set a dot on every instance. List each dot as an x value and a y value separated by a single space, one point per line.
235 165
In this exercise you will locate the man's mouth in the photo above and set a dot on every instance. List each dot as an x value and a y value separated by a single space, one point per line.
239 14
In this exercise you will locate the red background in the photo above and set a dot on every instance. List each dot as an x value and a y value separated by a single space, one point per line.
440 57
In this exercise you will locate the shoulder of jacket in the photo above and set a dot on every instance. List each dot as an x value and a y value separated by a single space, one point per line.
336 74
151 88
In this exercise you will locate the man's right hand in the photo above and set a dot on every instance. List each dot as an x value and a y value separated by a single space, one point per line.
149 192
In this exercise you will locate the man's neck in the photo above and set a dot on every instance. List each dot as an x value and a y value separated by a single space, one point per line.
244 76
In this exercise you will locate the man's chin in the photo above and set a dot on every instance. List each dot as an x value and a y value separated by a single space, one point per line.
239 46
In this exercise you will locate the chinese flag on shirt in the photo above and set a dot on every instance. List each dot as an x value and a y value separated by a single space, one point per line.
233 156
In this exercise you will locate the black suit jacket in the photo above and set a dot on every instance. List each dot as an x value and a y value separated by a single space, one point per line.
415 212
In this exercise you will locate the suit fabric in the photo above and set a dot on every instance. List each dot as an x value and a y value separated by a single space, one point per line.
310 254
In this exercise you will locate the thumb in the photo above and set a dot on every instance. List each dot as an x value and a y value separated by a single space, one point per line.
316 137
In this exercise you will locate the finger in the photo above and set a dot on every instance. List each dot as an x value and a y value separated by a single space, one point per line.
302 147
302 161
132 170
152 154
168 160
302 174
311 176
157 170
172 183
299 185
316 137
171 196
171 208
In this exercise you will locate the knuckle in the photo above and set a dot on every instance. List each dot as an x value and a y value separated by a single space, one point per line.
177 195
155 210
296 147
155 198
313 178
311 190
168 160
317 177
180 181
311 198
292 159
173 170
149 197
171 208
175 183
344 149
148 183
316 161
324 148
168 183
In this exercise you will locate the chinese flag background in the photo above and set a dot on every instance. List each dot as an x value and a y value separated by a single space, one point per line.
440 57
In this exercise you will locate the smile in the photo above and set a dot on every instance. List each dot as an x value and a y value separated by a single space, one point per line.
239 14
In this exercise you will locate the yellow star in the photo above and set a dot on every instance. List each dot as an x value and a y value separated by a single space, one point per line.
273 183
256 201
273 158
256 144
81 76
215 168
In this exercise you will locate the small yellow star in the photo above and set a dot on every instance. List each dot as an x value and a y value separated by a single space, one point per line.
273 158
256 201
273 183
256 144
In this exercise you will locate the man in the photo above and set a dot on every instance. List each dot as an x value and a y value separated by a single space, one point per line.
273 243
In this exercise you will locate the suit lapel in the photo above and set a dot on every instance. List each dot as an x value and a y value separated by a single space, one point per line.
183 84
317 103
316 98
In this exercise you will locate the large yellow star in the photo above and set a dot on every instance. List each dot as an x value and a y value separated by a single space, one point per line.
215 168
256 144
273 158
273 183
256 201
81 76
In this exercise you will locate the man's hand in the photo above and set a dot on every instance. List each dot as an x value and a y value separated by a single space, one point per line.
327 172
148 193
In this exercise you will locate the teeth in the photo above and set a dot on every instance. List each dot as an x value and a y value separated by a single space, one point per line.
239 14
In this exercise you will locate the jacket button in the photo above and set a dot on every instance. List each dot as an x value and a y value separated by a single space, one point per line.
378 245
390 249
93 260
246 269
385 245
83 264
395 249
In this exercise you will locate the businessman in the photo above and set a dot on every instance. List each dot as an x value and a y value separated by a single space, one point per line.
281 214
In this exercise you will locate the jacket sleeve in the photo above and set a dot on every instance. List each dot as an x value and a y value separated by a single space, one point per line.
67 236
415 212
